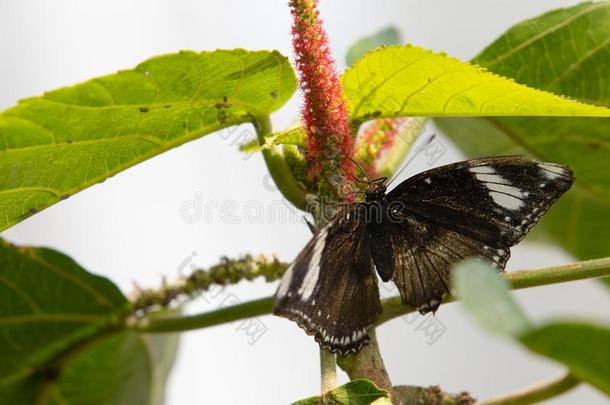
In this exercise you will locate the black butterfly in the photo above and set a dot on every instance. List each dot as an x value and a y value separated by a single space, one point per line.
412 236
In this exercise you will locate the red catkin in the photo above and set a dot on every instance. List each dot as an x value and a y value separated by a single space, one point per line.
375 141
329 141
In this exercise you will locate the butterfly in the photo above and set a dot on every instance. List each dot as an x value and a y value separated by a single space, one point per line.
412 236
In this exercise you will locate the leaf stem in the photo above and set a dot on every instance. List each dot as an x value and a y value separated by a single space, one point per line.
392 307
536 393
278 167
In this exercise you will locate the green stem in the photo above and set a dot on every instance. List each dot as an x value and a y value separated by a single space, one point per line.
367 363
536 393
392 307
278 167
328 371
183 323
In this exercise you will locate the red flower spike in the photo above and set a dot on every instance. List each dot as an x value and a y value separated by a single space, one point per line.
329 142
375 141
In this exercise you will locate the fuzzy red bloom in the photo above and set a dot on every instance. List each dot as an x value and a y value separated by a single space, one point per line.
375 141
329 142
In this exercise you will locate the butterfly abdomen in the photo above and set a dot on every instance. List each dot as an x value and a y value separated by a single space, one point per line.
379 239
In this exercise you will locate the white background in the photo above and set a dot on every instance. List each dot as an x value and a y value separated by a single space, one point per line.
129 227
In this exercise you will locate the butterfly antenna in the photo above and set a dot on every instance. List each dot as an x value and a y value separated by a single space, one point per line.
418 150
361 169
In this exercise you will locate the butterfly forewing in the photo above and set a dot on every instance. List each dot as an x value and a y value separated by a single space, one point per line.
494 200
476 208
330 290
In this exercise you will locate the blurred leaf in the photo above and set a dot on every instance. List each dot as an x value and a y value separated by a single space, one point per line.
116 369
47 304
565 51
357 392
387 36
69 139
397 81
486 297
163 350
584 348
61 340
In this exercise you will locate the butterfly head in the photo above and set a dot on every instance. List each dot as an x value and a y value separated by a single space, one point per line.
375 190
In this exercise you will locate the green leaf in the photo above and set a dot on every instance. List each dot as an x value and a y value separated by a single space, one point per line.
357 392
69 139
486 297
584 348
117 369
559 49
399 81
62 340
565 51
387 36
47 304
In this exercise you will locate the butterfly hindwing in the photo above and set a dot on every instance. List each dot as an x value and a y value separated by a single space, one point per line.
423 255
330 290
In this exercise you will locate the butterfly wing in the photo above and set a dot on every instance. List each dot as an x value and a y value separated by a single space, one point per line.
423 255
330 290
478 207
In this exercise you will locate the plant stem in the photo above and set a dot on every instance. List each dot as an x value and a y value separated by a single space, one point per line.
183 323
225 272
367 363
409 394
278 167
328 371
536 393
392 307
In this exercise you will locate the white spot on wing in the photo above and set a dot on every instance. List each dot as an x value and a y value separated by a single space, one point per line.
513 191
552 171
482 169
507 201
313 269
492 178
285 283
500 190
